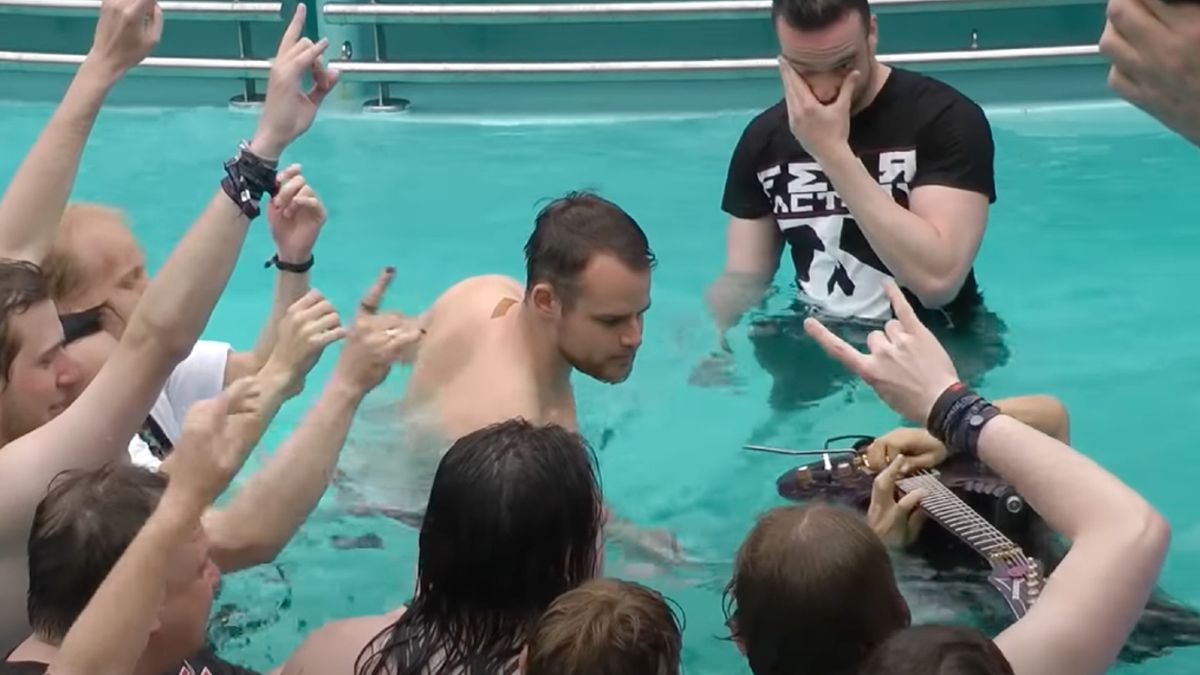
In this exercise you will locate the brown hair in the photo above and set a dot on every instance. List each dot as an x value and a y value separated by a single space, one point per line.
21 286
938 650
64 269
80 529
572 230
812 585
606 627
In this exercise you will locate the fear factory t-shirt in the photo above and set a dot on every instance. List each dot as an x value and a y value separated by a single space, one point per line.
918 131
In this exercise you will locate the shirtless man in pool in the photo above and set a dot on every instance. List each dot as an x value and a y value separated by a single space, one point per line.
494 349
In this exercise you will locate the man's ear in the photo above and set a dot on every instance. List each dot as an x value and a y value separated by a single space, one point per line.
545 301
523 660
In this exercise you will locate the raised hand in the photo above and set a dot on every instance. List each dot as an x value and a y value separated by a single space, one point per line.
289 110
918 446
906 365
309 326
208 455
127 31
818 126
1154 47
376 341
896 523
296 216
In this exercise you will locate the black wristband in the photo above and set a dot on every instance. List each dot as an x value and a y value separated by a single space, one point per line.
294 268
944 406
247 178
965 434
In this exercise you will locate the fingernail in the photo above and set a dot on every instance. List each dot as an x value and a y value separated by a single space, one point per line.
389 269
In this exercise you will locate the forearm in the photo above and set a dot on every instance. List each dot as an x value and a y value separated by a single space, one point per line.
178 303
34 202
910 246
1075 496
289 287
111 634
733 294
273 504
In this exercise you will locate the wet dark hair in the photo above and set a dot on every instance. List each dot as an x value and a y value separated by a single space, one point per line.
22 286
817 14
812 585
80 530
512 523
937 650
570 231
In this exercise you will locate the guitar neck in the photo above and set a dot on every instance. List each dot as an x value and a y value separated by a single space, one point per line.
961 520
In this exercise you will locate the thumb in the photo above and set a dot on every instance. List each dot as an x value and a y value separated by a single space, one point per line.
849 86
883 488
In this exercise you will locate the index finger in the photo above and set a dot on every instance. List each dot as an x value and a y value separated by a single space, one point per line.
291 35
884 485
370 302
904 311
835 346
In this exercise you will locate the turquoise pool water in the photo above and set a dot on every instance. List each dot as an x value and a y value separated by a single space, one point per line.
1089 258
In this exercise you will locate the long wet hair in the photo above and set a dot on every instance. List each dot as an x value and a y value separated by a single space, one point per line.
513 522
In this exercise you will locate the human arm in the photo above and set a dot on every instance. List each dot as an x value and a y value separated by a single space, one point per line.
267 511
1045 413
296 216
96 428
126 32
753 249
930 246
1155 62
1095 596
110 635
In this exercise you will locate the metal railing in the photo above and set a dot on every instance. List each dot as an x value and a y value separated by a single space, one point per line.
653 10
696 69
379 71
173 9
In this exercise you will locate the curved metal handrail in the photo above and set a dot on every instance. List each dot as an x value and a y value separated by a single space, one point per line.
174 9
659 10
369 71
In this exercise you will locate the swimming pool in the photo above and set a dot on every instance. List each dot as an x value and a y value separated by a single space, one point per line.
1087 260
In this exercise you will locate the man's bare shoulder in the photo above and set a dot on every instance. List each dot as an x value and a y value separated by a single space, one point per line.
473 300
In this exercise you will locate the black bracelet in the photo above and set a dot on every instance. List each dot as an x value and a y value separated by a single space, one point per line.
970 425
294 268
958 417
247 177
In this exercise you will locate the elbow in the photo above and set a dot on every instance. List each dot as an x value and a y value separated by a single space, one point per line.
243 550
936 290
1155 535
168 341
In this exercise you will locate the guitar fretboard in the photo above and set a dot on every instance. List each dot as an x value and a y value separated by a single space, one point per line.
961 520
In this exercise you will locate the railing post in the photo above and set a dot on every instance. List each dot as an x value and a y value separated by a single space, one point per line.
383 102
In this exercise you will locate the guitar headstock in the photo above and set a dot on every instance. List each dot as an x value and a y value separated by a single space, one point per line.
1019 580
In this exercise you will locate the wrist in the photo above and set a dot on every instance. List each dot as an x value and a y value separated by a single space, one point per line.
831 152
345 387
267 146
181 503
98 72
293 257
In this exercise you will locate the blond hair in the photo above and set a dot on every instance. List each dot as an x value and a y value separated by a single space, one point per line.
63 267
606 627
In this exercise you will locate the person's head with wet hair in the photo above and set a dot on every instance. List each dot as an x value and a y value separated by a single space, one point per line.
80 530
606 627
813 591
513 521
937 650
588 266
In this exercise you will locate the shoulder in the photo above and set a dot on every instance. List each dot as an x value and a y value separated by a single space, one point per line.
940 101
763 127
335 647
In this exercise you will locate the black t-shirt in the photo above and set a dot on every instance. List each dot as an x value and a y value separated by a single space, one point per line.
918 131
